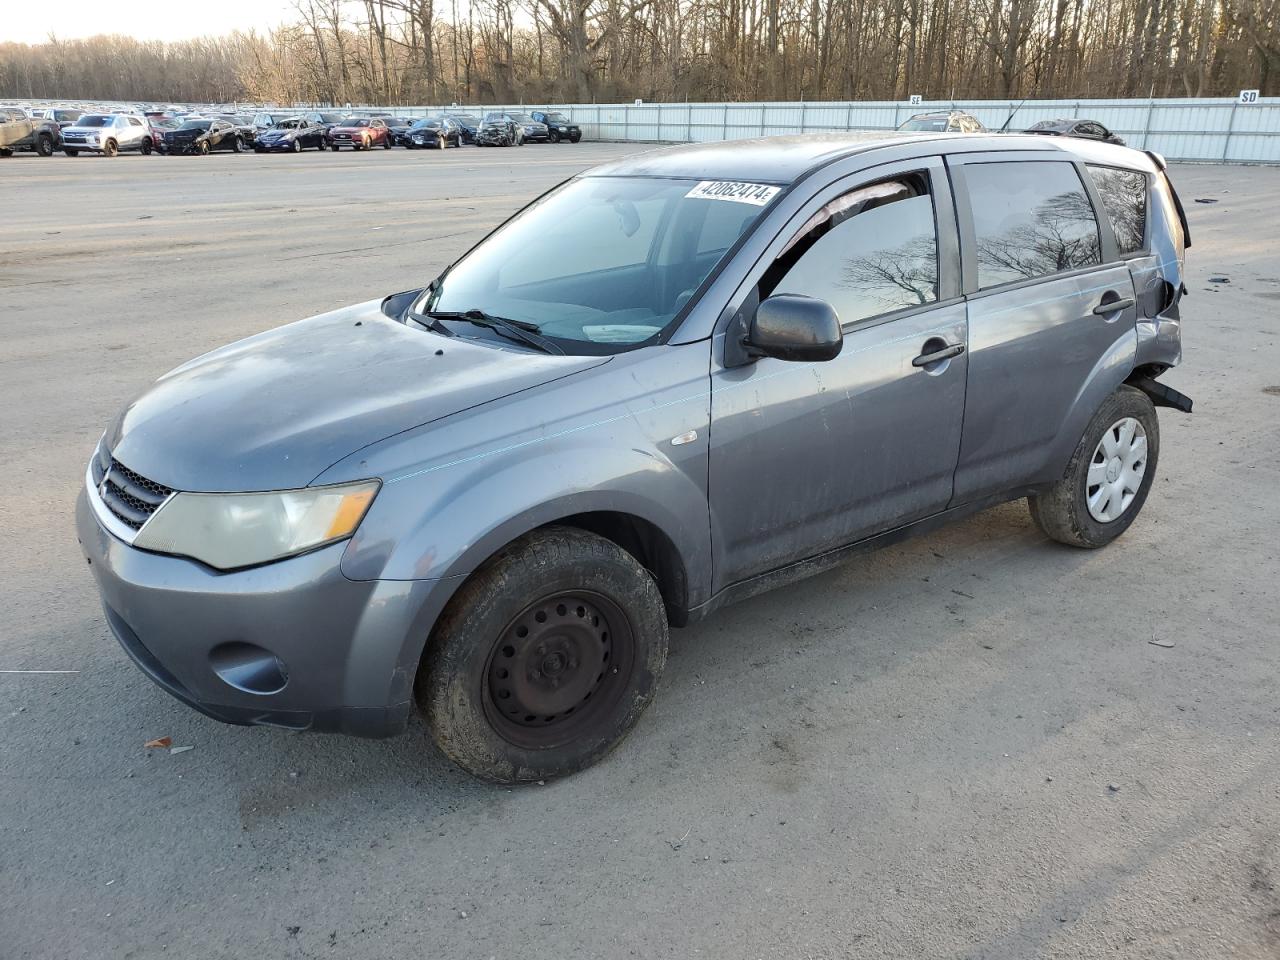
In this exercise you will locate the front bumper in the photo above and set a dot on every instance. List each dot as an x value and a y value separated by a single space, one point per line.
283 146
293 643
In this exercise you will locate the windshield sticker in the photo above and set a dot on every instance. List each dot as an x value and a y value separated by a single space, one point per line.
756 194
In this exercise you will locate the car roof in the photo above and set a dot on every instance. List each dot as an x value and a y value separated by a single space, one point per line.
784 160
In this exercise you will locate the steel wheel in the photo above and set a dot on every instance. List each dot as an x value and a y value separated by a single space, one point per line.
560 664
1116 470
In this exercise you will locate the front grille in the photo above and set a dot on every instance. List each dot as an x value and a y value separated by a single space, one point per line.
130 497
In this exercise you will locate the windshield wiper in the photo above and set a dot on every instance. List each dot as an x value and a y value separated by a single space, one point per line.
520 330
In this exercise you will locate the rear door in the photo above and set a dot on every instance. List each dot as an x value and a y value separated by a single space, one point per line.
1045 343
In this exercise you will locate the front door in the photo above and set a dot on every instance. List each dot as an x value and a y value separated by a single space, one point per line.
807 457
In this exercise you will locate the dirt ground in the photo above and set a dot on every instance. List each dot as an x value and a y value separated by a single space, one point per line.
963 746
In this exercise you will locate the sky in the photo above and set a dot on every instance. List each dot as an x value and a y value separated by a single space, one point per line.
31 21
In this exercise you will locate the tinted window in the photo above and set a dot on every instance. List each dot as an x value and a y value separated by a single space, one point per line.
871 251
1124 197
1030 219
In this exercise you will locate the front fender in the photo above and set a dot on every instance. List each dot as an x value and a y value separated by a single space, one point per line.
455 491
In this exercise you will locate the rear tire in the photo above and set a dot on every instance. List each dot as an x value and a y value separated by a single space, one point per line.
545 658
1116 457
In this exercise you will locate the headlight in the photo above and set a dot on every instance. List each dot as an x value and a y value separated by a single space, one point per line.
232 530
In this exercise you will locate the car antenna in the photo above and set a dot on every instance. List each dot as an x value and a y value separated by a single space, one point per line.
1005 126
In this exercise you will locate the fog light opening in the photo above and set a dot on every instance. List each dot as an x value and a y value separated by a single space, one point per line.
249 668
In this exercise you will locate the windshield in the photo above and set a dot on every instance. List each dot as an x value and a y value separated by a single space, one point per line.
557 117
94 122
285 125
426 123
603 263
494 117
195 125
354 122
934 124
330 117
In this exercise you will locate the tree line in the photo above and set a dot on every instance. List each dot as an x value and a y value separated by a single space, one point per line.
507 51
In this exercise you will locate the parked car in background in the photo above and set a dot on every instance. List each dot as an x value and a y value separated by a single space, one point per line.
359 133
107 134
1075 127
245 127
943 121
535 461
438 132
202 136
292 135
499 130
559 127
535 131
397 129
62 116
265 119
21 132
469 124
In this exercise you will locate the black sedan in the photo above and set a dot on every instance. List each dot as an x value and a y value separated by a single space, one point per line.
559 127
1075 127
499 130
439 132
293 135
399 129
469 124
201 136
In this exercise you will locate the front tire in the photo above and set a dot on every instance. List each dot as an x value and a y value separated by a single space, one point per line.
145 147
71 153
110 148
44 146
1108 477
545 658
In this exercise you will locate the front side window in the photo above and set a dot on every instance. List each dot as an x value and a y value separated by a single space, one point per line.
609 261
871 251
1124 197
1030 219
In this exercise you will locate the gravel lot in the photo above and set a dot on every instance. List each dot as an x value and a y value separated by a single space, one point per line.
963 746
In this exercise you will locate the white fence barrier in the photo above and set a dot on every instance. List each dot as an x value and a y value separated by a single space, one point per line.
1202 130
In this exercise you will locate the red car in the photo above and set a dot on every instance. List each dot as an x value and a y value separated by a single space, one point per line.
359 133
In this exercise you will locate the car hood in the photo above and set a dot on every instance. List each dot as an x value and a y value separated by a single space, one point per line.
350 129
276 410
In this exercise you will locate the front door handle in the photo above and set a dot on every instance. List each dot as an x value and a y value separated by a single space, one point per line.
1108 307
937 356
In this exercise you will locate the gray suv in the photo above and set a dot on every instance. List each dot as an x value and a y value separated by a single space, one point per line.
670 383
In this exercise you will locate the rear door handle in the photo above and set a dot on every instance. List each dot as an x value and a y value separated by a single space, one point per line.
936 356
1108 307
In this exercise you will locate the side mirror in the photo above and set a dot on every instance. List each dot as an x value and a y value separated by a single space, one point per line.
794 327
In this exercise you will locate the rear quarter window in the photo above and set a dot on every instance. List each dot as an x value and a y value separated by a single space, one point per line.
1031 219
1124 197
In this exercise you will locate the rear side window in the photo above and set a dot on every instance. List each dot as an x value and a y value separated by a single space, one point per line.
1030 219
1124 197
